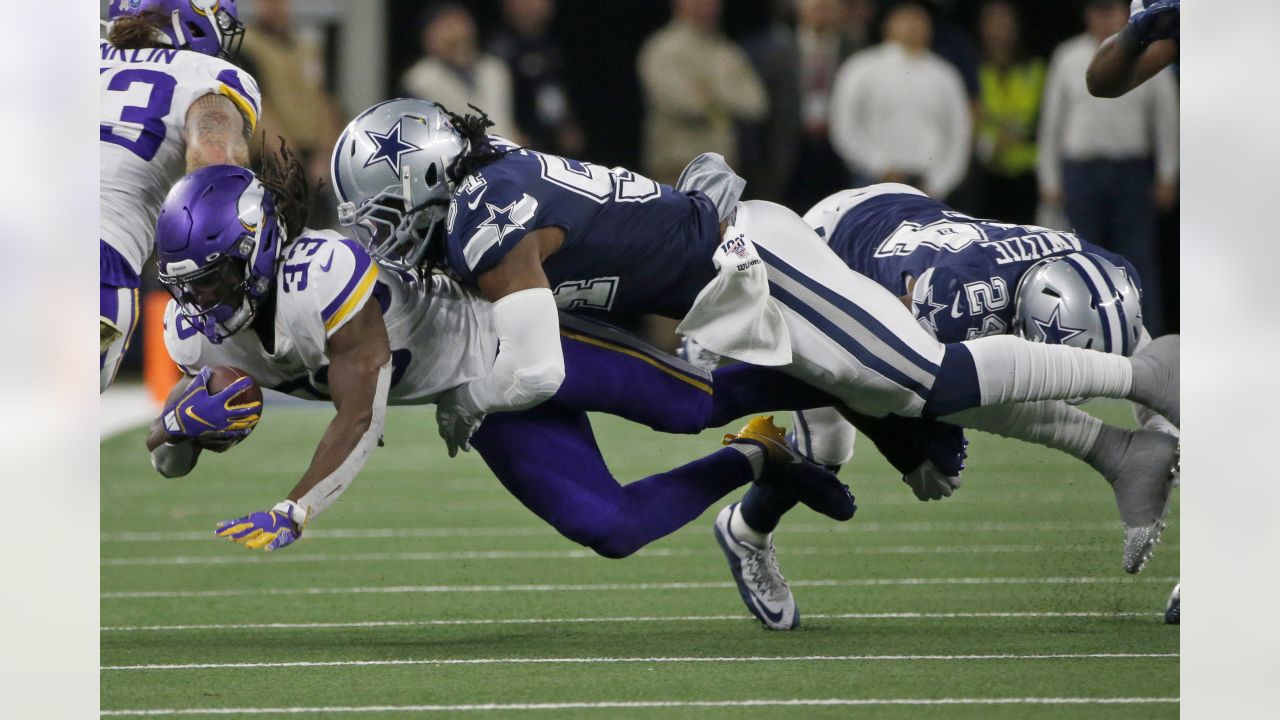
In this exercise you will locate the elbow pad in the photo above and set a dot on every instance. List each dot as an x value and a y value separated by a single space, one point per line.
530 364
175 459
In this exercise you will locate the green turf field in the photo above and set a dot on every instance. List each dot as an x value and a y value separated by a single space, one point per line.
428 591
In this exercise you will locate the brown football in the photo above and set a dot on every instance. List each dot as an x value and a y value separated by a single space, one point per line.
222 376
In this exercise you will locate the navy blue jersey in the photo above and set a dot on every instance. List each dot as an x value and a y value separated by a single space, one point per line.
631 246
967 270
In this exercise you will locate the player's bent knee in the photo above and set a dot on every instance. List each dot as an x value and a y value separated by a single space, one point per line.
614 546
684 418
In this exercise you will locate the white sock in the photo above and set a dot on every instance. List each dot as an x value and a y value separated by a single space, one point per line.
1012 370
1051 423
741 530
754 454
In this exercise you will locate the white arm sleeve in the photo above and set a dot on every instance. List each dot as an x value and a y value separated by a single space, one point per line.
328 490
530 363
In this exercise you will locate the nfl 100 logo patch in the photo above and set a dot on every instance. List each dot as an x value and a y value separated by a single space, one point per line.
736 246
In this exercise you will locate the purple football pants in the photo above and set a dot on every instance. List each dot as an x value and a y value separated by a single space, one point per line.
547 456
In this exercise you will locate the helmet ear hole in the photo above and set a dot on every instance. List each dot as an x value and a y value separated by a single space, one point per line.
433 174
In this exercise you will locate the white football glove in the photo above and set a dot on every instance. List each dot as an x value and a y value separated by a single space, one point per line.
930 483
457 416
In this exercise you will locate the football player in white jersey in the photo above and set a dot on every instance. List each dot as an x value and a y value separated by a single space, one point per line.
170 103
311 314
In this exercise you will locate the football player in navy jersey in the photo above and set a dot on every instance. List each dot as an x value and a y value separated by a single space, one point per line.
535 233
965 278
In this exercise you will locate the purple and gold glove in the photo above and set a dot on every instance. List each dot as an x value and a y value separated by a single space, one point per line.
270 530
1158 21
199 415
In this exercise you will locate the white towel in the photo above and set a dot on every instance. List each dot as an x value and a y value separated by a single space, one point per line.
734 315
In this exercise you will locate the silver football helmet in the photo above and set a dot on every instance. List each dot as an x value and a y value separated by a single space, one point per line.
1079 299
390 173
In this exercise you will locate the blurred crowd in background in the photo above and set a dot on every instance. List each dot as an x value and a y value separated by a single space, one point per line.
981 103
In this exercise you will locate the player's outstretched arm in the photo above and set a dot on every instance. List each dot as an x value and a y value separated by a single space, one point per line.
530 363
1147 45
359 380
216 133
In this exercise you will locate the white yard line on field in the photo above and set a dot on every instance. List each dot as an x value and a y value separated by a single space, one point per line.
542 530
633 660
631 619
613 587
643 704
241 558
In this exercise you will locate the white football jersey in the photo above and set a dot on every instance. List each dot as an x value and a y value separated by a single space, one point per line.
441 335
142 116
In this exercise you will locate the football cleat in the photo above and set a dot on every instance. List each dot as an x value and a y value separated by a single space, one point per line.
760 583
1172 609
784 468
1142 487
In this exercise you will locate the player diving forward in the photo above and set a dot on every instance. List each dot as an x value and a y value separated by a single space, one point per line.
311 314
967 278
170 102
533 231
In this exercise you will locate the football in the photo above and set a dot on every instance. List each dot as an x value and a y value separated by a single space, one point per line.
223 375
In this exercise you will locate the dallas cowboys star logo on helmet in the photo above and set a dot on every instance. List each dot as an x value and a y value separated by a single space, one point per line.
390 148
927 310
1055 333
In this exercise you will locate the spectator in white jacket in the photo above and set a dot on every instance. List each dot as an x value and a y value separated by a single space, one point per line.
899 113
453 71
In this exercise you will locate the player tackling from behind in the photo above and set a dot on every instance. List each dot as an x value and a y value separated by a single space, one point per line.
170 102
535 233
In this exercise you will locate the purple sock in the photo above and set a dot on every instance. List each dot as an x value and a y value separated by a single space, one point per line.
763 507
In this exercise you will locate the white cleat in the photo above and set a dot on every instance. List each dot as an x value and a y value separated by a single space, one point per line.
1140 544
760 583
1173 608
1142 489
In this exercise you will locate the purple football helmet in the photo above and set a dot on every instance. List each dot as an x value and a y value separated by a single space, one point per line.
211 27
218 237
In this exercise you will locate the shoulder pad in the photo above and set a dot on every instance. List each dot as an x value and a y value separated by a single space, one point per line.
328 276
